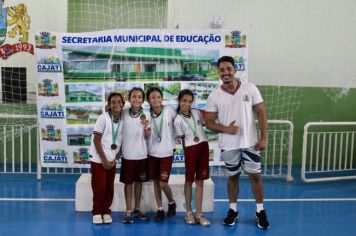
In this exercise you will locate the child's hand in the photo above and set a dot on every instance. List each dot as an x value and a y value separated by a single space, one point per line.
107 164
145 123
113 163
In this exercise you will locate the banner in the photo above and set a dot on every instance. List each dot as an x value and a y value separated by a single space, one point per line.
77 71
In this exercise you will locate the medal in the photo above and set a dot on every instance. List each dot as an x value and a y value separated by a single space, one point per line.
193 129
158 129
114 132
143 117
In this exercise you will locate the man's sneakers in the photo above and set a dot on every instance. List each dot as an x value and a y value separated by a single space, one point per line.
261 219
141 215
171 209
231 217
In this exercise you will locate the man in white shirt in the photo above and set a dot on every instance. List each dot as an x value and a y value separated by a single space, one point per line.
230 111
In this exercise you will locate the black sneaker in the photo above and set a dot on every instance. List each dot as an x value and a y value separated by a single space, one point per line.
159 215
171 209
128 219
231 217
141 215
261 219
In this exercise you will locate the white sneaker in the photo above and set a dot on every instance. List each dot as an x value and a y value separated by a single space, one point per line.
97 219
107 219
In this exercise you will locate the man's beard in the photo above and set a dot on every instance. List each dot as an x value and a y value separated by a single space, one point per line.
227 81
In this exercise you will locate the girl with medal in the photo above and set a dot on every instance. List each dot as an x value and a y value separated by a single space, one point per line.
189 126
134 168
105 151
160 150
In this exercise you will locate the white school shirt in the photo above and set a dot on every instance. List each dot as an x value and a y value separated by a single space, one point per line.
236 107
167 144
183 129
134 146
103 126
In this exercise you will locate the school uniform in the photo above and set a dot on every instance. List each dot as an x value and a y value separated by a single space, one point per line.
134 167
102 180
196 148
161 144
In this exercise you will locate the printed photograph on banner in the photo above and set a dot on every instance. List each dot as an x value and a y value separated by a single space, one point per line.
53 110
132 64
79 136
80 114
170 90
122 88
83 93
202 91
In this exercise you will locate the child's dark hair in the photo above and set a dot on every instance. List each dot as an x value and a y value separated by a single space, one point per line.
137 89
181 94
153 89
226 59
111 95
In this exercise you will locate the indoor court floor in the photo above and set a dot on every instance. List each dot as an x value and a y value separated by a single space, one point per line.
47 207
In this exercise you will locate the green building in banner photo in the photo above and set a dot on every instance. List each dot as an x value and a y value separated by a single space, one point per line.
95 64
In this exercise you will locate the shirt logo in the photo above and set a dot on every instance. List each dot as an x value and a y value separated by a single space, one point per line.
245 98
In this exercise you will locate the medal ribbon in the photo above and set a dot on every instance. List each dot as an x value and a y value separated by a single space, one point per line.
190 126
135 114
113 131
159 131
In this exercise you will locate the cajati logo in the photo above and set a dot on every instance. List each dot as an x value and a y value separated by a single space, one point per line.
14 24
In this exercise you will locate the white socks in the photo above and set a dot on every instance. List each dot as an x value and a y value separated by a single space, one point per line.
233 206
259 207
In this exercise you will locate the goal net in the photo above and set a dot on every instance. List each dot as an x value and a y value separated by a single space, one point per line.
98 15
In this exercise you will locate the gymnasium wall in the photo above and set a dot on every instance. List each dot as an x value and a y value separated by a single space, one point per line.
307 46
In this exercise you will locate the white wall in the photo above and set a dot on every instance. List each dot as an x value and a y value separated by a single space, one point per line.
50 15
291 42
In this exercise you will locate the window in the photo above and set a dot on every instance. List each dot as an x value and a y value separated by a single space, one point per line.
150 67
14 86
